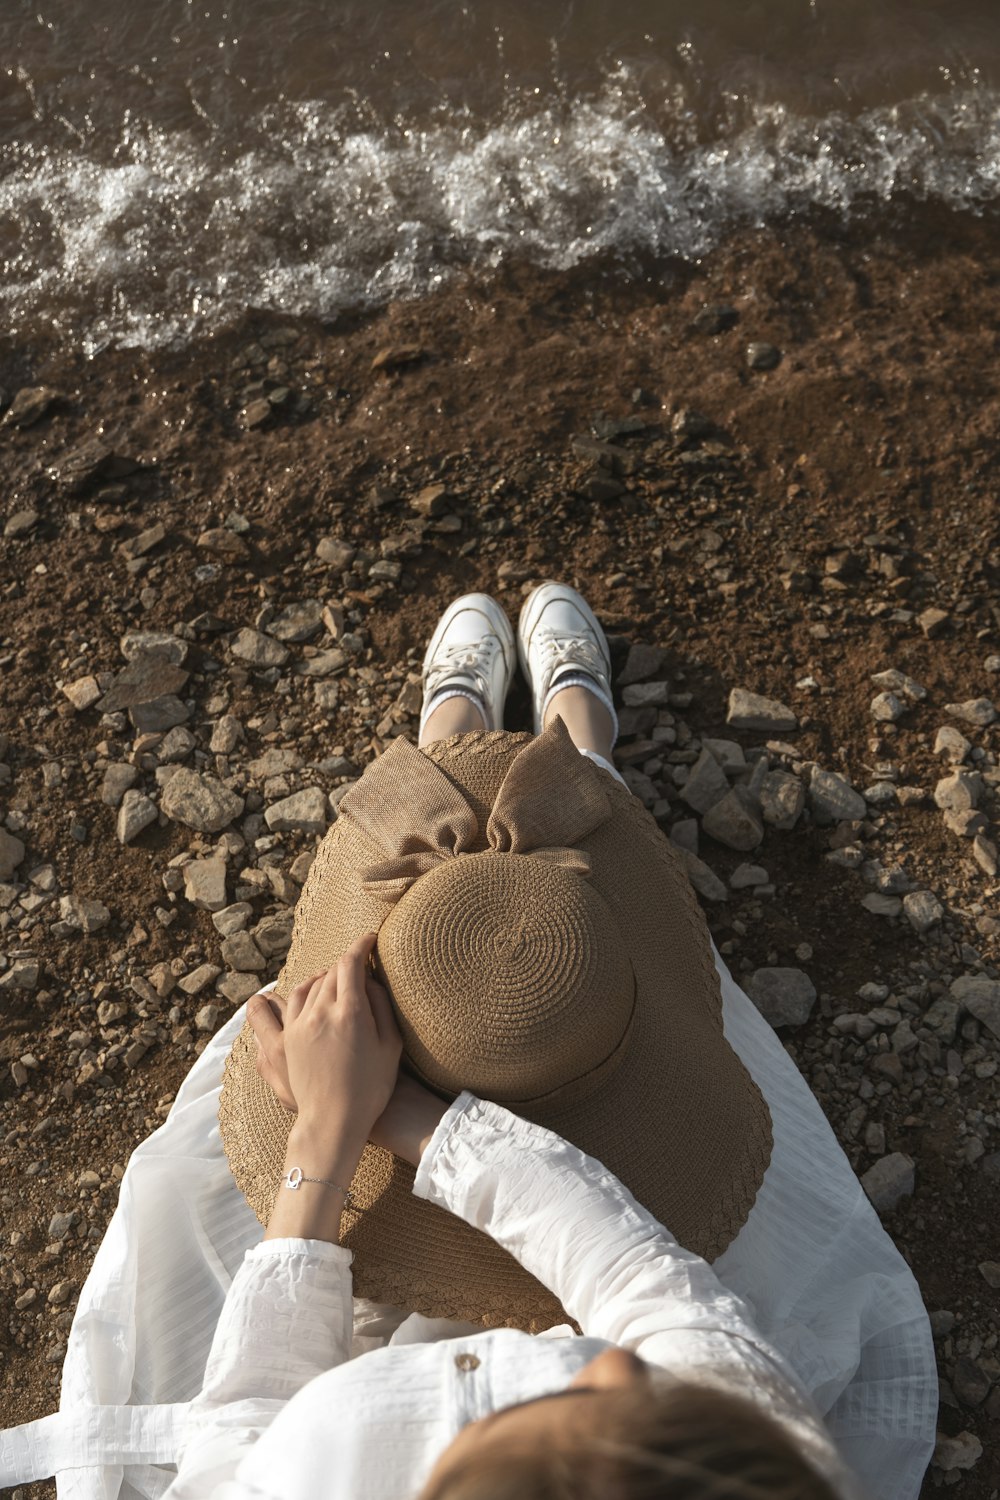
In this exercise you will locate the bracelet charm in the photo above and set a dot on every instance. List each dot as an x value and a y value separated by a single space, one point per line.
296 1177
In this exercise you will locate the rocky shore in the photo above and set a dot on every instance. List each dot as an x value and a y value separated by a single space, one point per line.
774 478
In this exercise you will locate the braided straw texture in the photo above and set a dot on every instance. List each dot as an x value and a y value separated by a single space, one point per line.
678 1119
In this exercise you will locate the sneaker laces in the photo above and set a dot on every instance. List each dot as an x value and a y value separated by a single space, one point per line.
469 661
579 652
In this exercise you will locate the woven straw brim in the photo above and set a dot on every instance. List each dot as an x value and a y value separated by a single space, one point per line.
679 1120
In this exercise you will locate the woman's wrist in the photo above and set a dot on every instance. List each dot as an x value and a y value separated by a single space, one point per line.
327 1161
322 1150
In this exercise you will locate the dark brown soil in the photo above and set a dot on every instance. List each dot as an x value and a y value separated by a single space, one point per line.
876 435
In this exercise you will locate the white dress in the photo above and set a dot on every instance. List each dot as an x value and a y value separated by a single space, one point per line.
827 1288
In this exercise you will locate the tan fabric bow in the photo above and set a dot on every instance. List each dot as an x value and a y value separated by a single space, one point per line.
550 799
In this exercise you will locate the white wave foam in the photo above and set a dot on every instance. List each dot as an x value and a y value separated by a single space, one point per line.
174 236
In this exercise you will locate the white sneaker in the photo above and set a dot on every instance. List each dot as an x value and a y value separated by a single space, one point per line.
558 636
471 651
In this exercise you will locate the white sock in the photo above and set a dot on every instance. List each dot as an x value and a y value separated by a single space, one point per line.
442 697
584 680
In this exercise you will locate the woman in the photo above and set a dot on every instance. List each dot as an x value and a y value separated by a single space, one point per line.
685 1378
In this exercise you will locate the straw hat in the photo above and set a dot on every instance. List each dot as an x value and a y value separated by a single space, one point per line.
543 949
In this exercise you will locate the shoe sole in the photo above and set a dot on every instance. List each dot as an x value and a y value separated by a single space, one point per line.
505 634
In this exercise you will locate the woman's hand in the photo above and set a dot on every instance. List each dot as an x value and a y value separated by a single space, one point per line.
412 1113
334 1055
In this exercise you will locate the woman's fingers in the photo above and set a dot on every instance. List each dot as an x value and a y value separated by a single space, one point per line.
262 1019
385 1020
298 995
352 970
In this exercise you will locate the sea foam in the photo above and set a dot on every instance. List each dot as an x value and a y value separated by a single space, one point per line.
172 235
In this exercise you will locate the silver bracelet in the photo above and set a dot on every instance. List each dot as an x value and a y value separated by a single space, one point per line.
296 1176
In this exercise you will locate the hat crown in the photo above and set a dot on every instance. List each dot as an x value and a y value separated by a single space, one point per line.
509 977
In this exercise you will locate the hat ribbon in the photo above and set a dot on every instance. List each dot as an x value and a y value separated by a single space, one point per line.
550 799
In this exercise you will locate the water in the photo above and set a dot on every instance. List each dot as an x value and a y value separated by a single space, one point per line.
165 165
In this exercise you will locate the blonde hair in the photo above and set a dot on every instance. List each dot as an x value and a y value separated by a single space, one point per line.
683 1443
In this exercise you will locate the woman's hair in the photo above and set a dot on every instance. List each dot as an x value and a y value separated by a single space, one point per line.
685 1442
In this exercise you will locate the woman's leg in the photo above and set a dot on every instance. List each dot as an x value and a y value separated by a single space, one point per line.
586 718
453 716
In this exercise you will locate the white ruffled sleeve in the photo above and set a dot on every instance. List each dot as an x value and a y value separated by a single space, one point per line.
287 1317
618 1273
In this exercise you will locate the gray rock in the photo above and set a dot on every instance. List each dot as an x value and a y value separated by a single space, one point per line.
83 693
886 708
324 663
118 778
299 621
207 1017
642 662
273 935
302 812
195 982
29 405
153 642
326 696
784 997
880 794
259 650
335 553
62 1225
200 801
135 813
205 883
646 695
761 356
970 1382
685 833
84 915
274 762
976 711
159 714
922 910
226 735
706 785
959 792
19 522
727 752
782 798
232 918
895 681
241 952
966 823
750 711
705 881
238 987
149 675
881 905
11 854
22 975
735 821
714 318
991 664
747 876
961 1452
177 744
984 852
833 800
888 1181
942 1018
952 742
933 622
981 998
